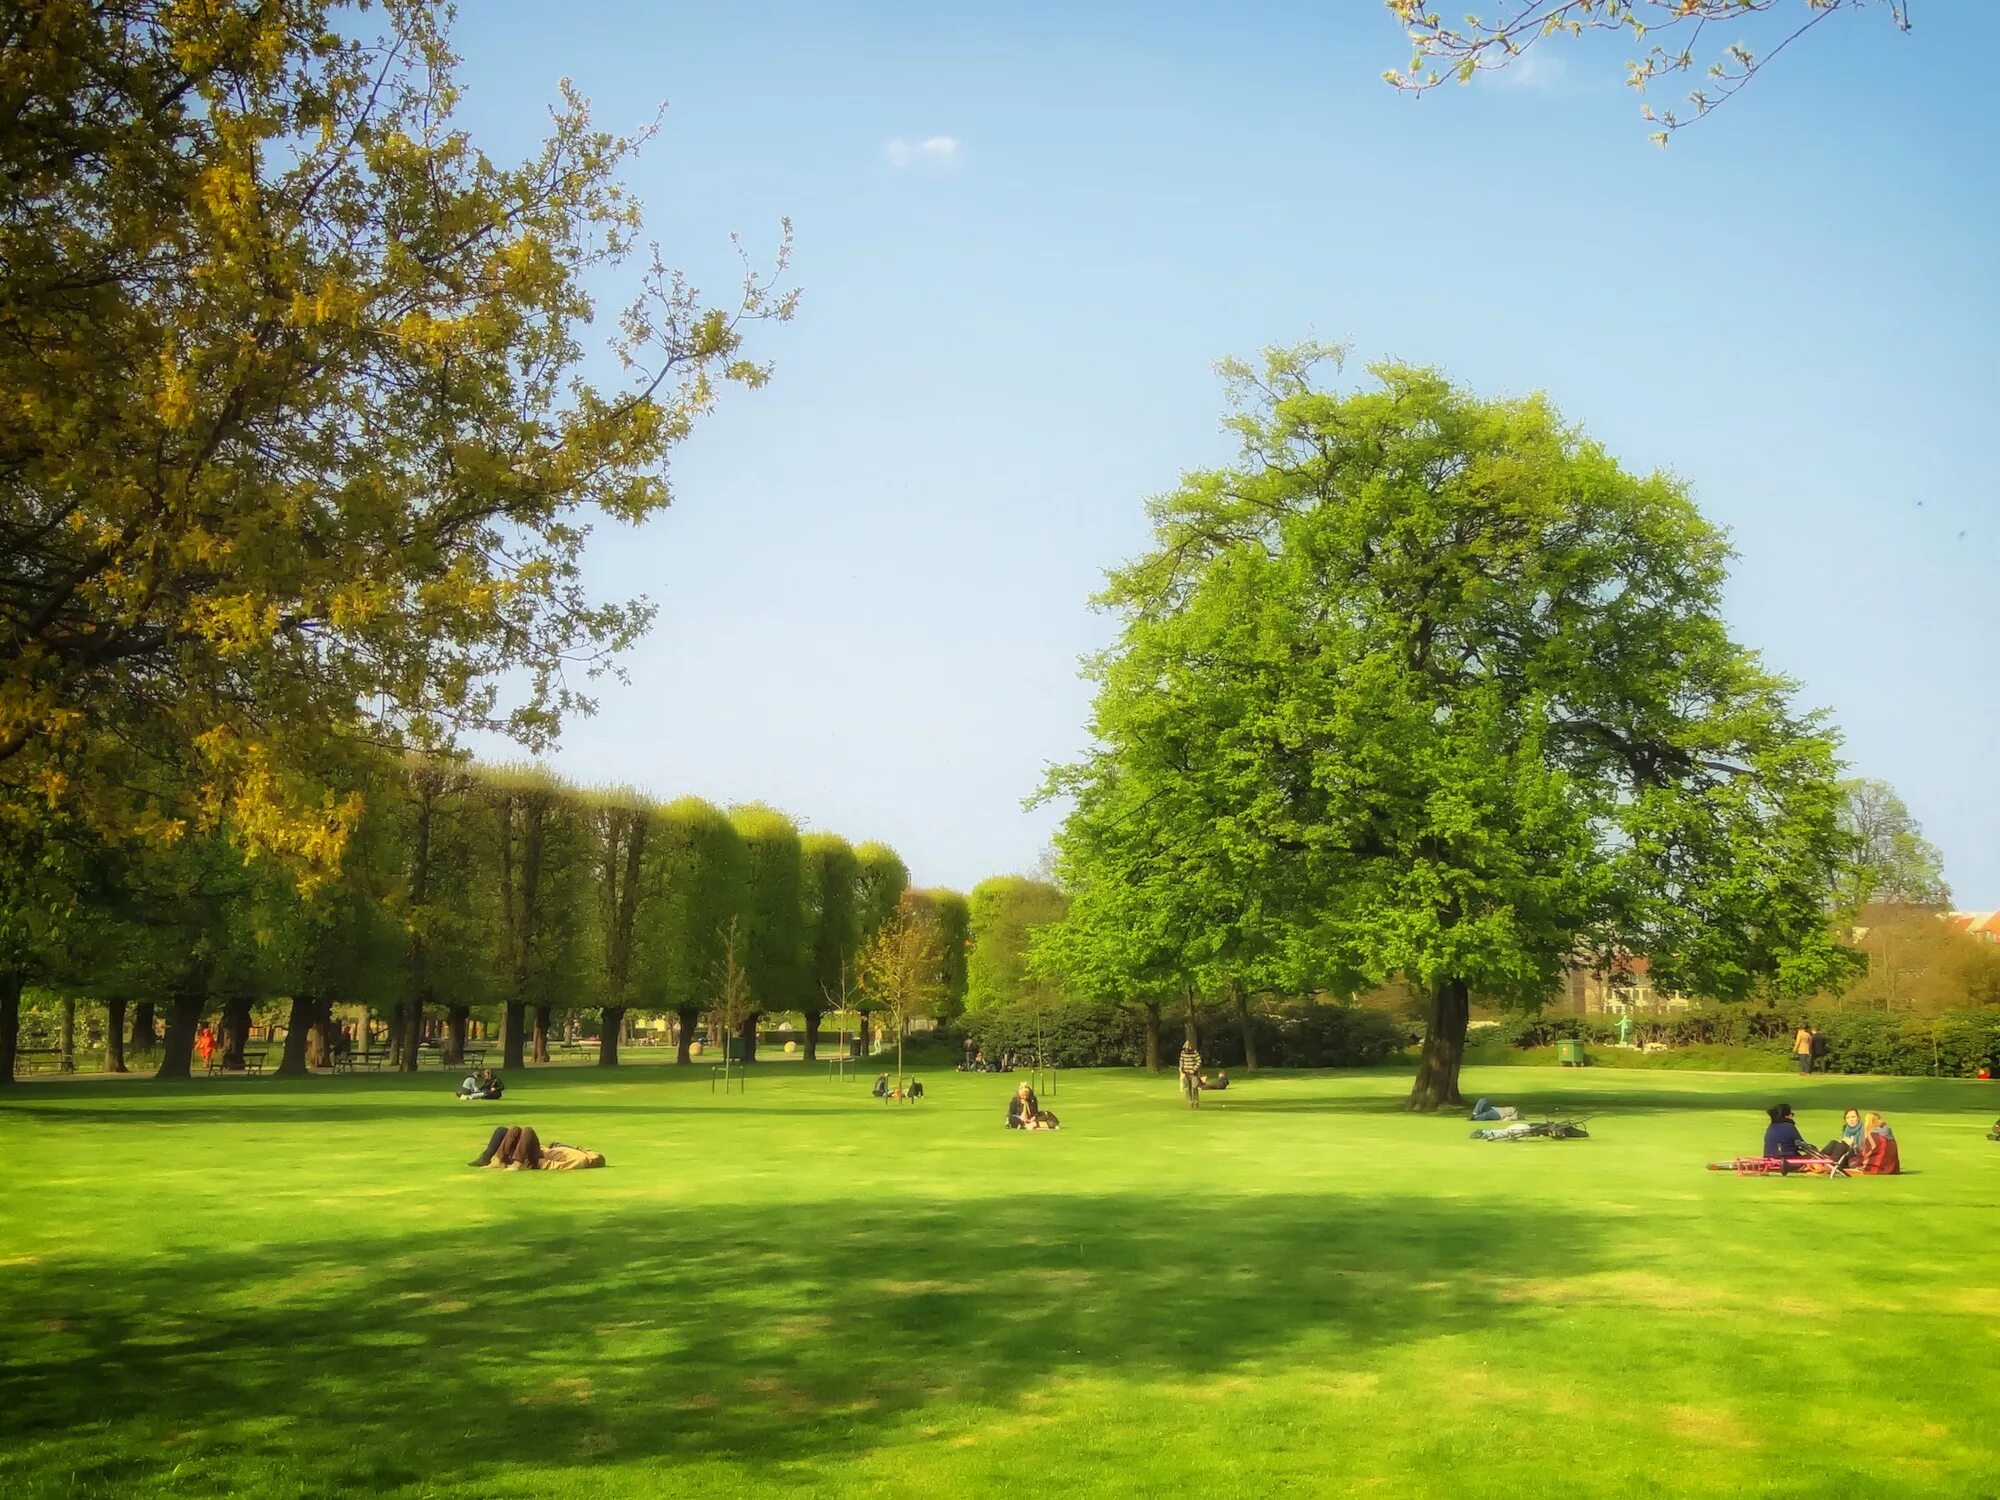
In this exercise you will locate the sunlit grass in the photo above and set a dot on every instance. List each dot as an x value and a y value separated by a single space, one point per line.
261 1287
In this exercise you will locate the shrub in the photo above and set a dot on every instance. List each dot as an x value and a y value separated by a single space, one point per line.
1309 1034
1949 1046
1071 1033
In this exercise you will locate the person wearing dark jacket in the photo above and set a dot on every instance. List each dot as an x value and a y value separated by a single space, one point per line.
1025 1112
1781 1137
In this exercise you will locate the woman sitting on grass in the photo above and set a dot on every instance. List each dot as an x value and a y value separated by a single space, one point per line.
516 1148
1847 1145
1880 1156
1025 1112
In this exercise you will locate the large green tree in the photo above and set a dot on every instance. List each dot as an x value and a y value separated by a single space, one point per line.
773 929
300 438
1890 859
832 881
1004 911
620 823
699 884
1435 689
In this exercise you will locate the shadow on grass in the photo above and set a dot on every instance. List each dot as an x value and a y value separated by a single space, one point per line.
765 1336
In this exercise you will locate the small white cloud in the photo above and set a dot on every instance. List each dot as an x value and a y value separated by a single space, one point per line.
1538 70
940 151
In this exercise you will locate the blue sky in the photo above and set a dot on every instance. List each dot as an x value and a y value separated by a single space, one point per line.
873 588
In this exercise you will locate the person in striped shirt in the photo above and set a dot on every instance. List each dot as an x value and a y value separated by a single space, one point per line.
1191 1073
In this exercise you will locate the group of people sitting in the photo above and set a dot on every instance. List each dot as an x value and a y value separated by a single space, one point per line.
909 1088
485 1084
1865 1145
516 1148
976 1062
1025 1112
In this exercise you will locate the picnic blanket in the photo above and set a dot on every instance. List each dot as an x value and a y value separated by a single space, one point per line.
1773 1166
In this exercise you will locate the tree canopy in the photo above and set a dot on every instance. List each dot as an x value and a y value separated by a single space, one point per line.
1672 37
299 444
1427 685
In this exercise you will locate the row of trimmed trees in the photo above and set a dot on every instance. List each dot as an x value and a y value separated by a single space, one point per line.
468 892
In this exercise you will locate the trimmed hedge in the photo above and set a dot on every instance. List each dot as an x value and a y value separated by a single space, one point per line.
1294 1034
1306 1034
1954 1045
1071 1033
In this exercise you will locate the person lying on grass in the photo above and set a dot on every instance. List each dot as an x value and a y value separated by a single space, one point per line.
1025 1112
1880 1156
1220 1081
518 1149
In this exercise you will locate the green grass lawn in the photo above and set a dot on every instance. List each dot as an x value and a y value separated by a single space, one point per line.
261 1287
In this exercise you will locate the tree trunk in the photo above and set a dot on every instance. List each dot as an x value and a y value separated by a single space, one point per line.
1242 1004
298 1033
10 1023
144 1037
690 1022
1152 1036
456 1019
1190 1032
1449 1010
541 1033
812 1035
513 1027
412 1023
235 1032
325 1032
608 1034
114 1036
66 1036
748 1032
177 1047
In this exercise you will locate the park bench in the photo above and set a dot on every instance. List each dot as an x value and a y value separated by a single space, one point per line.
372 1061
253 1062
44 1060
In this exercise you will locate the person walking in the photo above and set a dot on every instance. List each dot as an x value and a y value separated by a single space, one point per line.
204 1046
1802 1049
1191 1073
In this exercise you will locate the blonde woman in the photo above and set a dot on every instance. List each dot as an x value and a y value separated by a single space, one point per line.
1880 1155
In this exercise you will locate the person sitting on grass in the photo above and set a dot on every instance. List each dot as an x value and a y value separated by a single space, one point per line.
485 1084
1994 1133
474 1087
1848 1143
1880 1156
1782 1140
881 1089
517 1148
1025 1112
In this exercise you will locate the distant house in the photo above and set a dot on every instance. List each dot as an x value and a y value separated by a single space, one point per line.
1625 985
1983 926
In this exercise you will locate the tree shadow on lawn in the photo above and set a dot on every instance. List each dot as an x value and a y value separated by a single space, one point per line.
766 1336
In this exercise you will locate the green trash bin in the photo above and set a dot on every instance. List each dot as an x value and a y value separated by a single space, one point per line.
1569 1052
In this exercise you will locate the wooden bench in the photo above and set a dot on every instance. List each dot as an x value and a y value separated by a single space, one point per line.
348 1063
44 1060
253 1061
